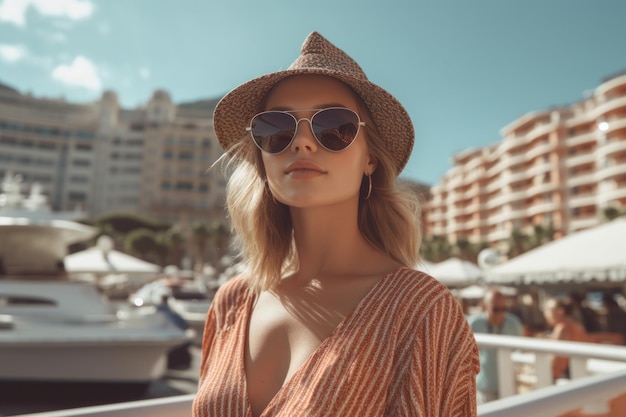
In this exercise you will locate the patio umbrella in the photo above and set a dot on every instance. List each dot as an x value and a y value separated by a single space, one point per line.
597 254
424 266
455 272
94 260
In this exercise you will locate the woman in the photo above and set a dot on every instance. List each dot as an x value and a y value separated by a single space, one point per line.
328 320
564 327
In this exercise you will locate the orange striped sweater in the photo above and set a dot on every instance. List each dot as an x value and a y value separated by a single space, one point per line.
406 350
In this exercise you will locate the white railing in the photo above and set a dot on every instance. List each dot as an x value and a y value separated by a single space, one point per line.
585 390
177 406
590 393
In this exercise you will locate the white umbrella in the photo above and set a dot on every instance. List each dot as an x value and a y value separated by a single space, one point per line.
455 272
598 253
94 260
424 266
472 292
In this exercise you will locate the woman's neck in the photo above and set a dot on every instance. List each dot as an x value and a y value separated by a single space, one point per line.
329 243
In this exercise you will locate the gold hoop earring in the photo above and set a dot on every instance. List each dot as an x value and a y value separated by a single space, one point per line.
369 190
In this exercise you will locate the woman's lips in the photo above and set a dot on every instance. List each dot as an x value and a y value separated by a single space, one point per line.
303 168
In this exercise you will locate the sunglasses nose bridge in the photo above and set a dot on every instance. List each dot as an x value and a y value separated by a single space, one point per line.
304 138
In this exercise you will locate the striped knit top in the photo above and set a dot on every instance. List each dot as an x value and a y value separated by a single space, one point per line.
406 350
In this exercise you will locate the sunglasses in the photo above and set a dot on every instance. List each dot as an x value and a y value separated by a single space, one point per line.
334 128
499 309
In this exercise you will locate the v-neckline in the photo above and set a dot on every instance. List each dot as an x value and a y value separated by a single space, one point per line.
328 340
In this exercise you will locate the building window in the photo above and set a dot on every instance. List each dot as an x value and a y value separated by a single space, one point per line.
184 186
76 197
81 163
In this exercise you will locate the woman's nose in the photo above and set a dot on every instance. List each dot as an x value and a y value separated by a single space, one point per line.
304 138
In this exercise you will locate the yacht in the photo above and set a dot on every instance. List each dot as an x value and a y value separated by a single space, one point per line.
54 329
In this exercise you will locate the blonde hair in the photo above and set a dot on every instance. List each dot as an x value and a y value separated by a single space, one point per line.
390 219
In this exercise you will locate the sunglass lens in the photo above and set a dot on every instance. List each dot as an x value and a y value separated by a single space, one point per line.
273 131
335 128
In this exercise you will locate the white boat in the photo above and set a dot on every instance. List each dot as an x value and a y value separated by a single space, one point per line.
67 332
53 329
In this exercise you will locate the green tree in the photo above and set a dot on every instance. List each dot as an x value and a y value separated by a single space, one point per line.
610 213
200 233
173 239
220 236
518 243
144 244
436 248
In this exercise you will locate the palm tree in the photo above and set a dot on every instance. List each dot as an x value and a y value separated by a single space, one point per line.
174 240
200 233
610 213
220 235
518 243
436 248
143 244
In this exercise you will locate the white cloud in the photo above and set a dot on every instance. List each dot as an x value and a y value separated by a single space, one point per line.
144 73
12 53
80 73
14 11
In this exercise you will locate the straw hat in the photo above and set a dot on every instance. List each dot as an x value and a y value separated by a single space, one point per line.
318 56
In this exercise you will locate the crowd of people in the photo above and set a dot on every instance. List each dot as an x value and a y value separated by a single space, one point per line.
568 318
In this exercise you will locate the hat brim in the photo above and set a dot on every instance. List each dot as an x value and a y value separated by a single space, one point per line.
235 110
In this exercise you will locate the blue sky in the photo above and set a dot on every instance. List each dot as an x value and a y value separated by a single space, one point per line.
463 68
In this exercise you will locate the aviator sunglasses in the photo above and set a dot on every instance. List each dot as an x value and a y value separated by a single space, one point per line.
334 128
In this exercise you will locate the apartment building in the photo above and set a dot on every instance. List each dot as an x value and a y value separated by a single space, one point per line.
102 158
560 167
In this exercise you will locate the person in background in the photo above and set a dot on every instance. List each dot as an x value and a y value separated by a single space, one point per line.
584 314
615 316
495 319
165 308
329 318
558 314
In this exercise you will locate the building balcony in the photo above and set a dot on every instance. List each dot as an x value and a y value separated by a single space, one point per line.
498 235
608 196
509 161
589 137
505 198
583 223
509 177
616 124
546 207
583 178
538 169
609 106
611 84
611 171
540 188
539 150
435 216
540 129
475 223
576 160
583 200
612 147
505 216
496 184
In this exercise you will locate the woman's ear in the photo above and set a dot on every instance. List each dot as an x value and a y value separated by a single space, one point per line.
372 163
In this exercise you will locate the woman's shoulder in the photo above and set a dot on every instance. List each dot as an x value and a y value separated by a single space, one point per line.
415 284
421 293
231 295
